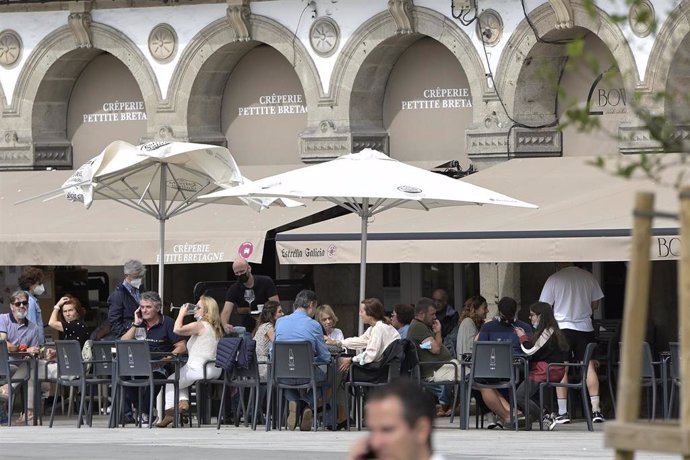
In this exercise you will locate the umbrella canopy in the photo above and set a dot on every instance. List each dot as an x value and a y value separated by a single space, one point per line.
161 179
367 183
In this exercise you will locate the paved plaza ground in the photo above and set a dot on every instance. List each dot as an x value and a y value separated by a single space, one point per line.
65 441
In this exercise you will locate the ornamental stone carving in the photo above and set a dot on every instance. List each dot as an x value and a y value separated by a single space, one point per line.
80 23
564 13
10 48
324 36
163 42
489 27
642 18
238 19
401 10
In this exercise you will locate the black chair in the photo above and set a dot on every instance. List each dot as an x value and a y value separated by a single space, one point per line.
103 367
457 376
134 370
6 365
241 379
649 379
360 378
292 367
674 375
607 335
492 367
72 373
580 384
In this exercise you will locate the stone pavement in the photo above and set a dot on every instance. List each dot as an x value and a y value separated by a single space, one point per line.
65 441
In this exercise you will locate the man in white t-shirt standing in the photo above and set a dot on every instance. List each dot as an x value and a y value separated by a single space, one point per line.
574 293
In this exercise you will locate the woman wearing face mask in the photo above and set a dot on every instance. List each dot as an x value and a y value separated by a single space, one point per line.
547 345
205 333
31 281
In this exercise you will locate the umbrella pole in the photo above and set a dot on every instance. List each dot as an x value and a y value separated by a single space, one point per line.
363 260
161 225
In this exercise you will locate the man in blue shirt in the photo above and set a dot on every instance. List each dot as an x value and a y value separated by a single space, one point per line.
297 327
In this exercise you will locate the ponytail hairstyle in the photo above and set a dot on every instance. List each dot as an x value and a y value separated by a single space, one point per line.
507 308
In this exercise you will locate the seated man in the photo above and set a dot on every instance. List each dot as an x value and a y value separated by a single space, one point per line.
20 335
425 333
297 327
160 338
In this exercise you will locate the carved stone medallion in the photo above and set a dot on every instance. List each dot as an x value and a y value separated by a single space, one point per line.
490 27
10 48
324 36
163 42
642 18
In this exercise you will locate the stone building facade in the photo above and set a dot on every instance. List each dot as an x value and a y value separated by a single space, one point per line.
290 81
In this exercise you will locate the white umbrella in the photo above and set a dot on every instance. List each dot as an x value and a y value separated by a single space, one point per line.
367 183
161 179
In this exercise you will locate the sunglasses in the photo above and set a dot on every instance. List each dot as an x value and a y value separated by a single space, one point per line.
20 303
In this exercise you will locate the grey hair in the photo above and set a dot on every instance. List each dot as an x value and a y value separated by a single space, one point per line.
153 297
133 266
17 294
305 298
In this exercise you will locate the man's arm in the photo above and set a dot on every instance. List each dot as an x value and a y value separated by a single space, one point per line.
595 304
322 353
437 339
225 316
179 348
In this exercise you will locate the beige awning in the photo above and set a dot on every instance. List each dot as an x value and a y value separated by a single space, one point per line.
584 215
58 232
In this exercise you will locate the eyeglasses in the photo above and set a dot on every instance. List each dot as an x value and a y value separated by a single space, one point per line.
20 303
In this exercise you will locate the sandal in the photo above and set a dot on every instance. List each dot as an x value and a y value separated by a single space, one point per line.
27 418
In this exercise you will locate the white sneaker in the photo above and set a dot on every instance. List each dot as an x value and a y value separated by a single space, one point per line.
145 420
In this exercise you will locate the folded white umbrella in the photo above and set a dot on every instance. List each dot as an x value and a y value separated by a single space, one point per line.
367 183
161 179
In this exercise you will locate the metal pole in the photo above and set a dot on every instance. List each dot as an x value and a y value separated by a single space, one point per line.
363 260
161 236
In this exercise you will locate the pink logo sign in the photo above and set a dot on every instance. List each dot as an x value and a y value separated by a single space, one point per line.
331 250
246 250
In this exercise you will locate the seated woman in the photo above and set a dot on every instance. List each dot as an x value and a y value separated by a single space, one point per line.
547 345
265 333
403 314
67 319
502 329
374 341
472 317
205 333
326 317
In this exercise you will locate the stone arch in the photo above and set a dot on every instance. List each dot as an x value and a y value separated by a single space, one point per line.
369 56
56 58
672 39
196 87
511 74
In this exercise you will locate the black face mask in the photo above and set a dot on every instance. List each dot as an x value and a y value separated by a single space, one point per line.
243 278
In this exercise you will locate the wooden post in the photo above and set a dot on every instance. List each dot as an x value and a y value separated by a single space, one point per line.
635 315
684 311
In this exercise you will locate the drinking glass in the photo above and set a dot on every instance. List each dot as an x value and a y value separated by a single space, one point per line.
249 296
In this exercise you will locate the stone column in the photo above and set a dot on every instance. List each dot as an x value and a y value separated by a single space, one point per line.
499 280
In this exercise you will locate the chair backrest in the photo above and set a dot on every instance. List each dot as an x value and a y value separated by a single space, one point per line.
292 360
675 360
492 360
133 358
103 351
69 359
607 334
4 361
647 369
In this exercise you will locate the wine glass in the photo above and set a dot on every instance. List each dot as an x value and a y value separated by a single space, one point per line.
249 297
140 333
